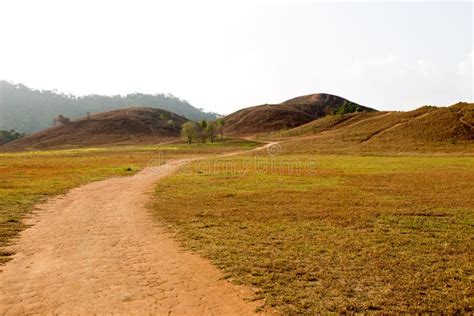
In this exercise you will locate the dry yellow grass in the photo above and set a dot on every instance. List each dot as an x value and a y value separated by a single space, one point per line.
354 234
425 130
315 232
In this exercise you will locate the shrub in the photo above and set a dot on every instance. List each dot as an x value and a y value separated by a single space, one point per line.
348 107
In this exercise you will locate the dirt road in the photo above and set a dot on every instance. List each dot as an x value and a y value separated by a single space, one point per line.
95 250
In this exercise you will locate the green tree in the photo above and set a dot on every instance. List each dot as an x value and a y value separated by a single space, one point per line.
203 131
189 132
220 127
211 130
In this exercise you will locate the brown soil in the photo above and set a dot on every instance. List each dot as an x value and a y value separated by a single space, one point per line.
132 125
289 114
96 250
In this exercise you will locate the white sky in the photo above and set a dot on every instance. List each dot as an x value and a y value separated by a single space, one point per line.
223 56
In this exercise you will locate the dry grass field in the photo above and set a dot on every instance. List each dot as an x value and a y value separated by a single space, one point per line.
365 212
333 233
31 176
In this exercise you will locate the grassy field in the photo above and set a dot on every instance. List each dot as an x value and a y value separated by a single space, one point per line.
29 177
333 233
312 232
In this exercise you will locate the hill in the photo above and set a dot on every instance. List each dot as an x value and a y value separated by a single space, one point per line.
427 128
289 114
134 125
28 110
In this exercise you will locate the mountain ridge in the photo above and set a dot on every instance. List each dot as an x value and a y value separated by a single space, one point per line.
29 110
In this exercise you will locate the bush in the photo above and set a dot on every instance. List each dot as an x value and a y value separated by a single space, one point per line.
348 107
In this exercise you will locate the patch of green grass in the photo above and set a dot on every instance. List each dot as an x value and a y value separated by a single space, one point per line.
354 234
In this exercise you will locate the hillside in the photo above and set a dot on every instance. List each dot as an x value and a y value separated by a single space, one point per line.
28 110
132 125
289 114
425 129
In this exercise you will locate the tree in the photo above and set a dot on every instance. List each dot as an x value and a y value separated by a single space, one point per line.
211 130
203 131
188 131
220 126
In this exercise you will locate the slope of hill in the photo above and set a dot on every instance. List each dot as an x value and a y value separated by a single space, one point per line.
132 125
28 110
289 114
425 129
453 124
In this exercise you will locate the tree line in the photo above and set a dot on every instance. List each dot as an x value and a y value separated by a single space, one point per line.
203 130
9 136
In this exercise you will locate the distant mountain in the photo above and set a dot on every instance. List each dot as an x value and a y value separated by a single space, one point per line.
125 126
27 110
289 114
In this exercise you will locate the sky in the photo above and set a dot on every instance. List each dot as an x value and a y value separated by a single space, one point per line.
226 55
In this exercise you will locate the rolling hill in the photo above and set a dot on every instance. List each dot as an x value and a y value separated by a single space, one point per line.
425 129
289 114
132 125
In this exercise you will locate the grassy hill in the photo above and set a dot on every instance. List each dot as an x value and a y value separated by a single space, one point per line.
424 129
289 114
133 125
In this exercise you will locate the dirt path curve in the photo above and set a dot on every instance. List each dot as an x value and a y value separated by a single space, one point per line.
95 250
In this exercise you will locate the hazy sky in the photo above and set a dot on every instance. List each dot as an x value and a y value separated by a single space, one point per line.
222 56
